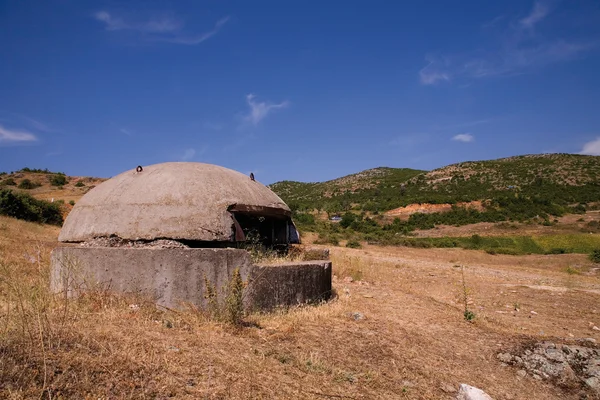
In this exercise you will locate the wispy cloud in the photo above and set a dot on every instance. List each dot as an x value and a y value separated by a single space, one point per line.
160 29
32 123
188 154
431 74
260 109
196 39
464 137
15 136
591 148
157 25
126 131
540 10
475 122
38 125
521 48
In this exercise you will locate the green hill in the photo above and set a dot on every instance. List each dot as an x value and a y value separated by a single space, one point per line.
561 179
340 191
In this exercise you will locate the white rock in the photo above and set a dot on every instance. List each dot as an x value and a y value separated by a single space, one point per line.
504 357
466 392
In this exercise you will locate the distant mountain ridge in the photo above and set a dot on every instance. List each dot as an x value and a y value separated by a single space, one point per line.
560 178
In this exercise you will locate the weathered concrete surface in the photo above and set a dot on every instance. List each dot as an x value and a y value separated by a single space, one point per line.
173 277
288 284
169 276
181 200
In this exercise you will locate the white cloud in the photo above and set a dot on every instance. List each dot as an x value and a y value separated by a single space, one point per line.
188 154
260 110
539 12
430 75
519 50
11 136
159 25
160 29
591 148
126 131
464 137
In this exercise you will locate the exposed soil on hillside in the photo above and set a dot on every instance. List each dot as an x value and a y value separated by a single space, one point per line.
426 208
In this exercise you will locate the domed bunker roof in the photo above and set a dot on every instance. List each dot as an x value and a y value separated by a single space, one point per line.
179 200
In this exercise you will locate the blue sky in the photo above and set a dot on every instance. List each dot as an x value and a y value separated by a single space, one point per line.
305 91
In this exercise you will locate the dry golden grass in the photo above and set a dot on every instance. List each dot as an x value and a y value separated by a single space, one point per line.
412 343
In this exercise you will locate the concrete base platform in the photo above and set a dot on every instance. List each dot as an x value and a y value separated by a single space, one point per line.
290 283
174 277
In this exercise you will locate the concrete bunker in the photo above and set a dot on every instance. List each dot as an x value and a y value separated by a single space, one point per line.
167 229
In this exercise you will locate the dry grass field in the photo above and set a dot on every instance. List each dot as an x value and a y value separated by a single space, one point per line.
395 330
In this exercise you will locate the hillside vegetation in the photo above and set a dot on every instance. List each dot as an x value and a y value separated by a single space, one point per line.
560 178
40 195
531 189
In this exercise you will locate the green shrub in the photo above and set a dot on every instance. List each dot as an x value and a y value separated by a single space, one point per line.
476 240
58 180
36 170
572 271
27 184
8 182
507 251
72 202
328 238
595 255
348 219
231 308
234 301
353 244
578 209
80 184
24 206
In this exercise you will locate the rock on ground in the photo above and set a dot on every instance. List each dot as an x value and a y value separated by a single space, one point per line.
569 366
466 392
